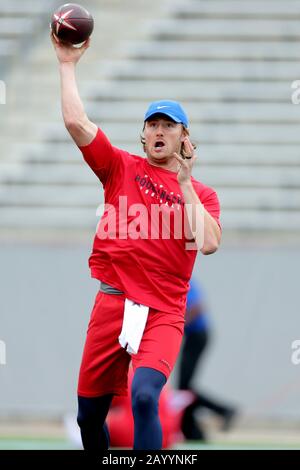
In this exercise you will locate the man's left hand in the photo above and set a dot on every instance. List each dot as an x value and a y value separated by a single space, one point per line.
186 164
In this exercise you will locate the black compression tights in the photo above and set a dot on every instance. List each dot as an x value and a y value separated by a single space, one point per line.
146 387
91 417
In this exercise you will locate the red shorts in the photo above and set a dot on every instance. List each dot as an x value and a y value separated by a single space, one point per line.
105 363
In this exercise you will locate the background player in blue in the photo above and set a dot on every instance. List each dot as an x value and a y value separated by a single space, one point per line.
196 338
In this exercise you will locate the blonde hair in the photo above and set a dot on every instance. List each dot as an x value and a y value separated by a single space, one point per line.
182 152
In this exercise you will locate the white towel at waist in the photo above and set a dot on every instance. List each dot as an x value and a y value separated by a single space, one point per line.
134 321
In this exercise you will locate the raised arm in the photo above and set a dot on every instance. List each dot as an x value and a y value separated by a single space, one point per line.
82 130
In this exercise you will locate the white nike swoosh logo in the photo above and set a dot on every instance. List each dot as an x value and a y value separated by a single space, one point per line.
160 107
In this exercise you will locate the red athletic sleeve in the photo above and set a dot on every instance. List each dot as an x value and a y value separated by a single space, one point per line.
102 157
210 200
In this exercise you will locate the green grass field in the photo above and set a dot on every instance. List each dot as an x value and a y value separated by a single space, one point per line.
55 435
22 443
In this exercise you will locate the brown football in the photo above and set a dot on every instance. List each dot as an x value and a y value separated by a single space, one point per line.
71 23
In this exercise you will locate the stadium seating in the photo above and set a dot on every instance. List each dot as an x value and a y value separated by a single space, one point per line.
231 64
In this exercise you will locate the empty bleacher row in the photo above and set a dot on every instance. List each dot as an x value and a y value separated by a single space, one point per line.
20 21
231 64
